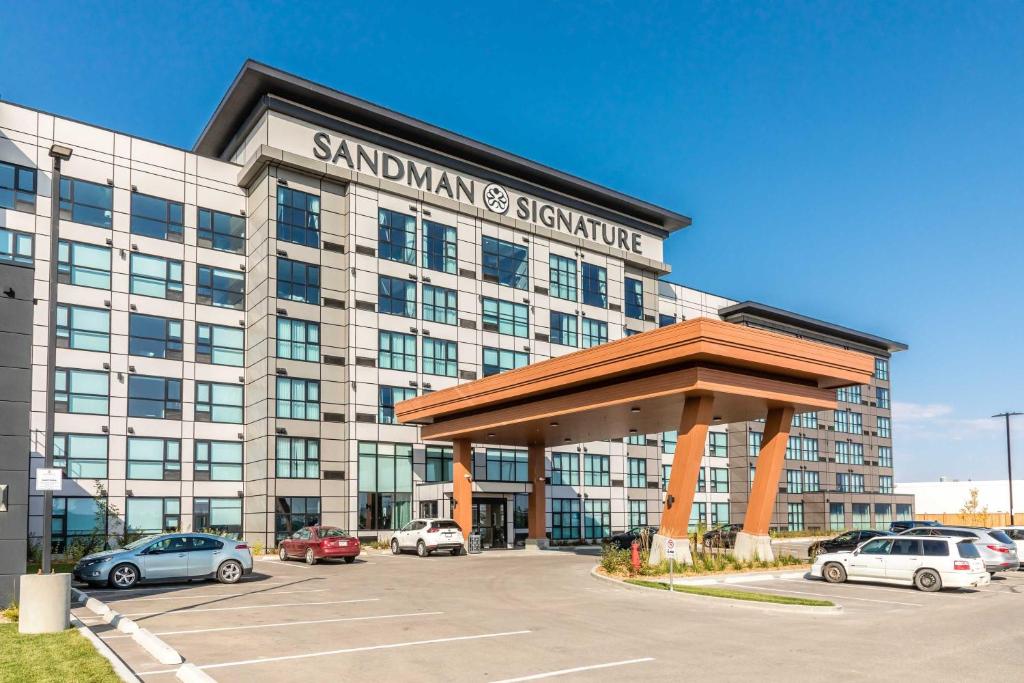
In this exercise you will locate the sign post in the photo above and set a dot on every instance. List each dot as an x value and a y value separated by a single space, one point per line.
670 552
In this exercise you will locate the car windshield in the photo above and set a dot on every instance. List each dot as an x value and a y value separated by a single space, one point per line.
446 524
141 542
332 532
1000 536
967 549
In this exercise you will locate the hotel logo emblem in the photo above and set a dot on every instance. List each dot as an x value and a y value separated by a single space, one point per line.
496 198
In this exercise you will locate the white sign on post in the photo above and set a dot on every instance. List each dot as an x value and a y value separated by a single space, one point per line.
670 553
670 548
49 479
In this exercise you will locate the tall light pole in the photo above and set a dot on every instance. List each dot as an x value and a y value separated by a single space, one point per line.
58 153
1009 460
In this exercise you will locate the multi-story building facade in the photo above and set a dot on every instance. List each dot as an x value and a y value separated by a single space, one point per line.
236 323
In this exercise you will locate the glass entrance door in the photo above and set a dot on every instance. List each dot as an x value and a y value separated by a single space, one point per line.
489 522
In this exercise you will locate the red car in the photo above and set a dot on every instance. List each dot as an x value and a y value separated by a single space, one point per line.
314 543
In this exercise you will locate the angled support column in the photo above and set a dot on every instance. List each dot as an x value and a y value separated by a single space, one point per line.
462 486
537 510
682 483
754 542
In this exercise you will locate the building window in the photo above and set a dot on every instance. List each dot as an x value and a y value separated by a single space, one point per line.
861 516
594 332
794 481
298 217
153 337
15 247
836 517
84 392
884 427
217 515
564 329
848 422
754 440
440 357
155 276
636 440
882 397
904 512
219 287
597 470
850 483
885 483
157 397
666 475
702 483
385 485
881 368
636 473
297 458
719 514
86 203
156 217
396 297
801 448
219 402
221 231
220 345
397 351
293 513
666 320
85 265
87 329
563 277
885 456
77 522
81 456
698 516
812 482
506 317
506 263
565 469
396 236
883 515
668 442
505 464
440 247
805 420
297 281
718 444
158 459
565 519
500 360
440 305
848 394
597 519
298 399
637 513
795 516
849 453
389 396
634 298
298 340
17 187
218 461
439 464
595 285
719 480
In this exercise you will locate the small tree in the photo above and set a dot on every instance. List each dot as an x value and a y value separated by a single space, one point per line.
973 513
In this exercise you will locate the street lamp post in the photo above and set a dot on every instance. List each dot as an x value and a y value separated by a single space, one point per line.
58 153
1009 460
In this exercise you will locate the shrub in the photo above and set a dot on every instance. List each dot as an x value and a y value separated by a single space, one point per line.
11 613
257 549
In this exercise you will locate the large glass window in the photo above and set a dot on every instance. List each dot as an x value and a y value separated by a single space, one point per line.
389 396
15 247
861 516
83 328
719 480
298 399
155 276
385 485
85 265
565 519
397 351
595 285
506 464
836 517
440 357
294 513
81 391
221 231
795 516
850 483
849 453
884 427
156 217
904 512
506 263
219 402
218 461
634 298
220 345
849 422
297 281
439 464
636 473
594 332
506 317
500 360
158 397
17 187
668 442
754 440
885 456
565 469
812 481
698 516
154 337
848 394
597 518
564 329
885 483
395 296
597 470
220 287
154 459
637 513
77 521
882 397
440 247
298 340
805 420
81 456
666 320
440 305
298 458
396 236
801 448
795 481
298 217
86 203
881 368
719 514
563 277
217 515
718 444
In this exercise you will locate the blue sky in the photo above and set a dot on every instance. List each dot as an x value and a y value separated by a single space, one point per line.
855 161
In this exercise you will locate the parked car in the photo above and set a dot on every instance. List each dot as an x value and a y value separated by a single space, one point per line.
722 536
902 525
928 564
427 535
844 541
1016 534
314 543
165 557
996 548
625 540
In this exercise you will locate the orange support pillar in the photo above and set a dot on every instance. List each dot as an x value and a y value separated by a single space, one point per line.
462 485
754 542
537 510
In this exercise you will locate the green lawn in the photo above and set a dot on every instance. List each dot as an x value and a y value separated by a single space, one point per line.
51 658
733 594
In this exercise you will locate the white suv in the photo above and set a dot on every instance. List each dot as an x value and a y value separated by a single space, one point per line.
929 563
427 535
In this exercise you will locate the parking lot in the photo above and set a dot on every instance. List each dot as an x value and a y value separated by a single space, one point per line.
506 616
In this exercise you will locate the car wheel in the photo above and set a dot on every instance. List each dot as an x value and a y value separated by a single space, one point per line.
310 557
350 559
834 572
421 549
457 551
928 580
124 576
282 554
229 572
394 547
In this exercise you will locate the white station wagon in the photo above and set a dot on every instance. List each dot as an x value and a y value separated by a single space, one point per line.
929 563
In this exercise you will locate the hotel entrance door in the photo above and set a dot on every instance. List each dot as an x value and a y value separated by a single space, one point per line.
489 522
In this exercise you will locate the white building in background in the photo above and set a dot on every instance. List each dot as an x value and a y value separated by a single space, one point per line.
948 497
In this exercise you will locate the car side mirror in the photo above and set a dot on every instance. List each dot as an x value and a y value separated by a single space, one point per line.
857 551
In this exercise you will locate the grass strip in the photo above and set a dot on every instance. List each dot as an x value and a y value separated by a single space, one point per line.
51 658
733 594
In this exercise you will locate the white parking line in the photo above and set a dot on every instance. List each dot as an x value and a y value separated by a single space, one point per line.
185 596
856 584
285 623
288 564
349 650
563 672
230 609
180 586
833 596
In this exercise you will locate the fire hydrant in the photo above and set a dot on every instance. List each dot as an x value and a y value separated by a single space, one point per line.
635 556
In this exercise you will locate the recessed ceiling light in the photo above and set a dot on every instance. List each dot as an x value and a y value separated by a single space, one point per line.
567 439
554 424
632 431
717 418
634 409
491 435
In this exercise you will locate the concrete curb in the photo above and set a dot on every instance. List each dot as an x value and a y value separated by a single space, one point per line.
158 649
190 673
120 668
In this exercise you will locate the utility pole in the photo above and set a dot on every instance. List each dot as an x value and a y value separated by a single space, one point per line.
1009 459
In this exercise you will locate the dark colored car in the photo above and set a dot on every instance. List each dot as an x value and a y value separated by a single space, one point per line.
904 524
847 540
722 536
314 543
624 540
